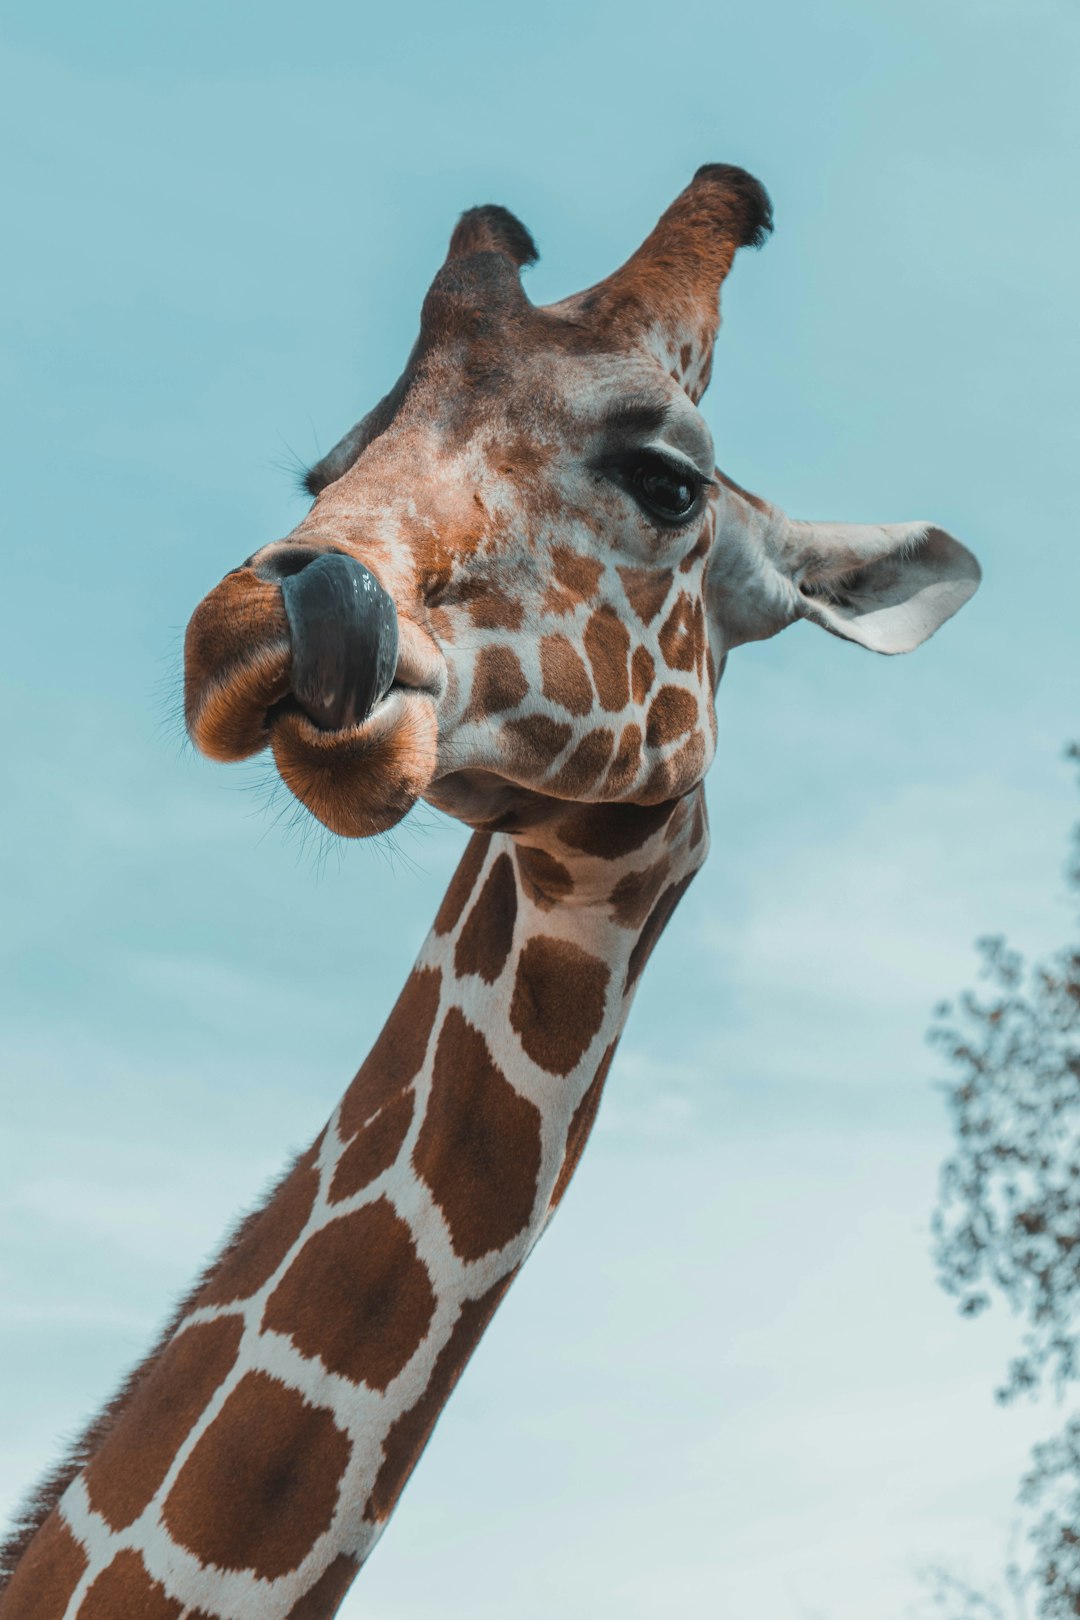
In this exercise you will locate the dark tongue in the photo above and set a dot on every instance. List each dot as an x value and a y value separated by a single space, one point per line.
344 634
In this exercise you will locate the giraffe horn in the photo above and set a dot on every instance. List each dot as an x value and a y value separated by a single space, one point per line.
666 296
492 229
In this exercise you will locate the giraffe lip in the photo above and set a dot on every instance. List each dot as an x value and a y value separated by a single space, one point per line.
362 778
381 720
421 667
402 695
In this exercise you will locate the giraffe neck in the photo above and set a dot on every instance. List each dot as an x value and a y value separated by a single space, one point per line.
249 1467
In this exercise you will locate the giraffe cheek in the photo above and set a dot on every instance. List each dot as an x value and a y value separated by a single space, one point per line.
672 714
565 680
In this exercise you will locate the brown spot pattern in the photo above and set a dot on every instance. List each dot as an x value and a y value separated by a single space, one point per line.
326 1596
700 547
671 777
442 624
491 609
581 1126
671 713
700 638
584 765
282 1458
677 634
479 1146
540 735
357 1296
125 1591
557 602
607 642
544 879
524 456
565 678
398 1054
626 764
558 1002
265 1238
657 921
136 1456
677 821
462 883
576 574
484 943
498 683
374 1149
410 1433
633 895
46 1575
642 674
646 590
612 830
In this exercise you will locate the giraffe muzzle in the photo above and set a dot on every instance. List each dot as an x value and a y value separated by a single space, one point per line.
343 631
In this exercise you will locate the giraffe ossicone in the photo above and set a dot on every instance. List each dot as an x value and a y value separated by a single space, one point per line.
560 571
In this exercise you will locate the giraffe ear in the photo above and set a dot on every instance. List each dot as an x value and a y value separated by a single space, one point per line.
888 586
492 229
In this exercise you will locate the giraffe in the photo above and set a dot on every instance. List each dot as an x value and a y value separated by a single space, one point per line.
513 597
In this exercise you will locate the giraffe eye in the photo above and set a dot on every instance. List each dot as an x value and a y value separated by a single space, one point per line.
665 489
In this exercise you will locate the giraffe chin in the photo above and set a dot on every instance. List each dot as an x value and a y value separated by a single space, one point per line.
361 780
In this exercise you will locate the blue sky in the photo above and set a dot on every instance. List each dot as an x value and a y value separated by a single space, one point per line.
729 1355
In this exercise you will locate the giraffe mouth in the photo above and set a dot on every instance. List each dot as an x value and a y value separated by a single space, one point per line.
358 777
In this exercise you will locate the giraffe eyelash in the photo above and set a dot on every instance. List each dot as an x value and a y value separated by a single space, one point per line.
642 473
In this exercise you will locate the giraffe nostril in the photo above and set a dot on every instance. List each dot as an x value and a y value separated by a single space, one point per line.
280 562
343 631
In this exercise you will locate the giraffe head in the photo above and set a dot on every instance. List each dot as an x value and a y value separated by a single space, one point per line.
522 572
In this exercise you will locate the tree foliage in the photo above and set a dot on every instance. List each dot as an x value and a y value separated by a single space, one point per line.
1008 1219
1051 1489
